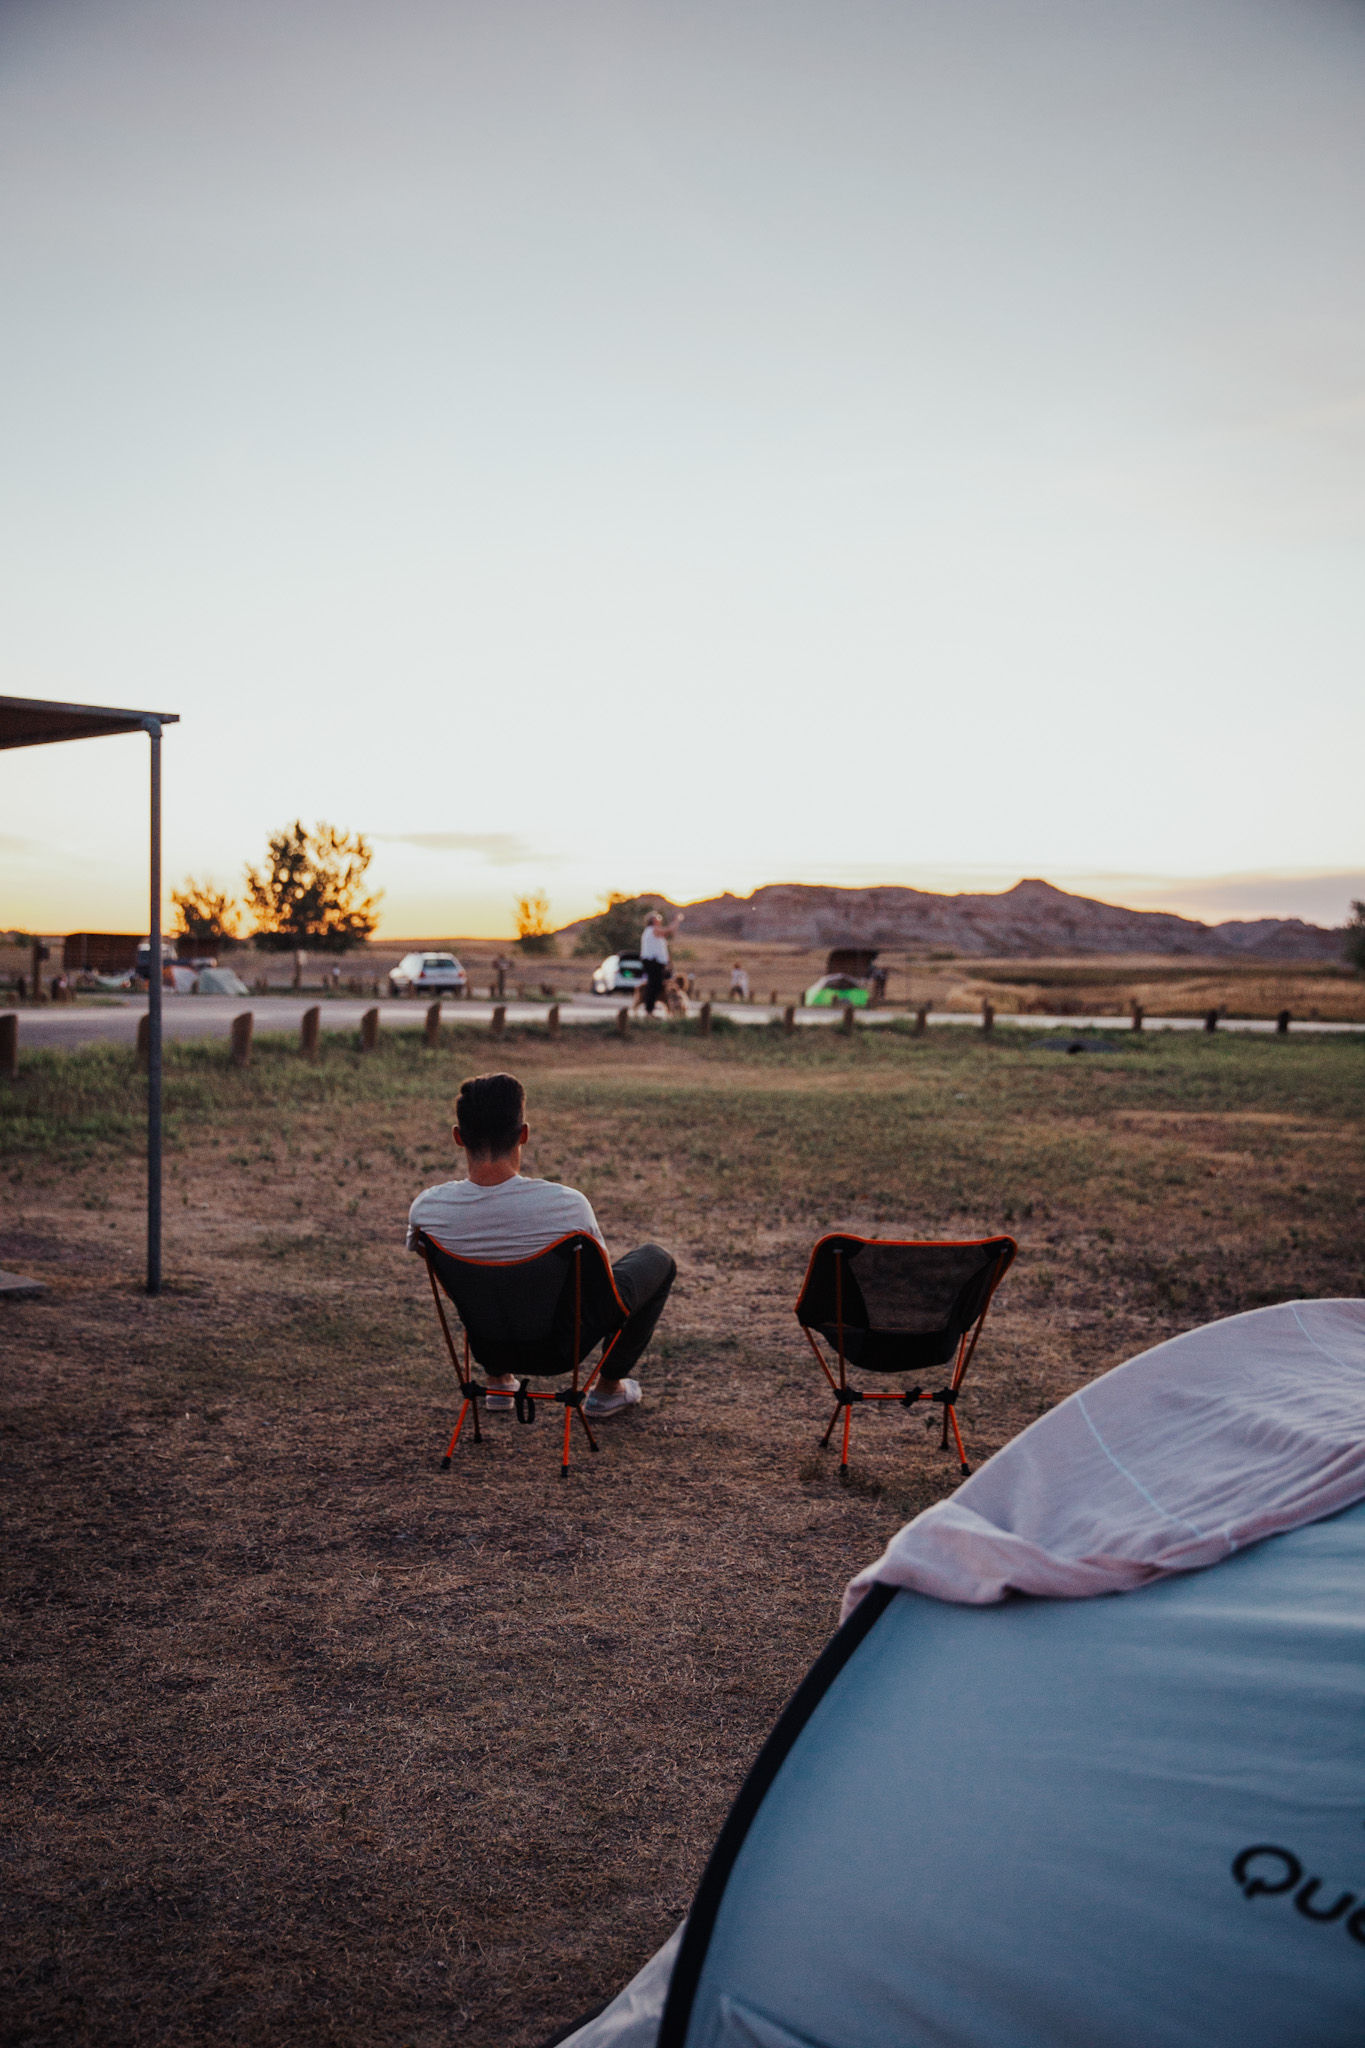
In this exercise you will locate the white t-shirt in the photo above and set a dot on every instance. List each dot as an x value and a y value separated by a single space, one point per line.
514 1220
653 945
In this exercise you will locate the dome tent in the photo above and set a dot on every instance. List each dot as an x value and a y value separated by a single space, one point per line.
1002 1812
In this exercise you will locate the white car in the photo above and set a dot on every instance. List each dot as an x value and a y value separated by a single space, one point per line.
619 974
436 974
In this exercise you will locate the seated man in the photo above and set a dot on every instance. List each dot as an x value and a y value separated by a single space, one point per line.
500 1213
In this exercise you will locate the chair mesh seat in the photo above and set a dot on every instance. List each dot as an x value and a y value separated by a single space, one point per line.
887 1305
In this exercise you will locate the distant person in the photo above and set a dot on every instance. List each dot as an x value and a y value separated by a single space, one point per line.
739 983
501 1213
501 966
336 978
879 978
654 952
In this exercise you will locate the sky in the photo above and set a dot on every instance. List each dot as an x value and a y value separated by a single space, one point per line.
626 444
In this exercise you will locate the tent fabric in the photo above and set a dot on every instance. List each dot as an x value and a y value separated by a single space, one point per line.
1123 1823
221 981
1169 1463
1020 1823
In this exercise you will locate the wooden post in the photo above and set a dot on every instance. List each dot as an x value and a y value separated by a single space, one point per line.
773 998
241 1039
1210 1020
369 1031
144 1041
1137 1013
499 1023
789 1019
309 1025
921 1020
1281 1025
847 1026
9 1045
987 1014
704 1020
622 1022
434 1025
552 1020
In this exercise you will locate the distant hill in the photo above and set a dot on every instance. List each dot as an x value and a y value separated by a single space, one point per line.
1027 921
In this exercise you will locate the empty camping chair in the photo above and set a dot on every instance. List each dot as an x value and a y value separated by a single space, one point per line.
889 1306
536 1318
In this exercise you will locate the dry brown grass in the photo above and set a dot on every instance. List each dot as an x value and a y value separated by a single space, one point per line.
308 1741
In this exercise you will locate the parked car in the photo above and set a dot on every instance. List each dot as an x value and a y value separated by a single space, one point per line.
619 974
838 988
434 974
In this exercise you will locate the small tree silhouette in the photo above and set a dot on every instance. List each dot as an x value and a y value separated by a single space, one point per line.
205 915
533 924
618 926
311 892
1353 943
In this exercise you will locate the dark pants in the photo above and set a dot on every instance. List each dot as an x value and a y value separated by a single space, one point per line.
655 970
643 1279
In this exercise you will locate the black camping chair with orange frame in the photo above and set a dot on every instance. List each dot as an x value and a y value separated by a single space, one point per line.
536 1318
887 1305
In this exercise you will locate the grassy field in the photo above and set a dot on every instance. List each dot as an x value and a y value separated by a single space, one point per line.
309 1741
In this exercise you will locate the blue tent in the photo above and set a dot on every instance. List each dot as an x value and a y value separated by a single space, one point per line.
1008 1809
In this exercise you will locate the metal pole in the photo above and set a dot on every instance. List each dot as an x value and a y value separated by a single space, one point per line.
153 726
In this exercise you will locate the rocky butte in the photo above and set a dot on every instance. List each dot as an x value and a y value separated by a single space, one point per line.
1029 921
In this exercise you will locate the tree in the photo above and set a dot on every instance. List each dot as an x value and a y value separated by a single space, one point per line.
205 916
311 893
533 924
1353 945
618 926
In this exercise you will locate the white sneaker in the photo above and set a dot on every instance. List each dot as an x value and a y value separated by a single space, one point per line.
624 1395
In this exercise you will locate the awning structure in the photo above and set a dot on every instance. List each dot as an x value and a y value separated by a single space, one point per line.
34 722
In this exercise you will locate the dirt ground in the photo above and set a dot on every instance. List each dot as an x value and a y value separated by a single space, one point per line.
309 1741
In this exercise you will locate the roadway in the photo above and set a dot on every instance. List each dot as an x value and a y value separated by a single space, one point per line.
114 1020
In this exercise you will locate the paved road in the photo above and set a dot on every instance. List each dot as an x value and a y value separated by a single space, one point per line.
116 1022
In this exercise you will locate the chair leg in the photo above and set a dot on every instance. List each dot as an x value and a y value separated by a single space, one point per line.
848 1425
592 1440
824 1441
568 1425
455 1438
961 1453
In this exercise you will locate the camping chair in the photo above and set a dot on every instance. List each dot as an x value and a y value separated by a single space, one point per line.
535 1318
892 1306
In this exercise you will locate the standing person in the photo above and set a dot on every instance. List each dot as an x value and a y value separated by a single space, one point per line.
501 963
654 952
739 983
500 1213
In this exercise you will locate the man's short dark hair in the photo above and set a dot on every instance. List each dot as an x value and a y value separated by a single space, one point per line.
490 1112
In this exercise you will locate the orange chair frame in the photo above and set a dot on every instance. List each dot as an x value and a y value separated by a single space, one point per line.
474 1391
845 1396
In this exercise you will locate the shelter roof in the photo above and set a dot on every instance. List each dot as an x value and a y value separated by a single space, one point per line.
35 722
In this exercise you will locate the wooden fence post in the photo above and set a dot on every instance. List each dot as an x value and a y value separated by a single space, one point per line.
773 999
9 1045
622 1022
789 1019
921 1020
434 1025
552 1020
847 1025
1281 1024
987 1014
369 1031
499 1023
309 1025
1210 1020
144 1041
704 1020
1137 1013
241 1039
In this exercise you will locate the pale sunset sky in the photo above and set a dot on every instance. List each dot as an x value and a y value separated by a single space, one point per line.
686 444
